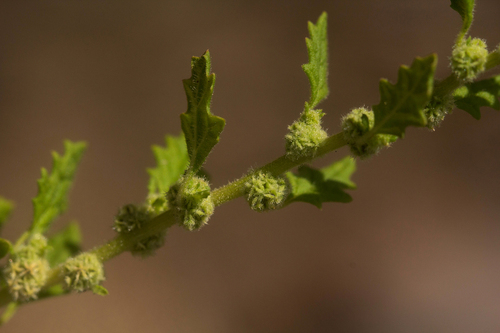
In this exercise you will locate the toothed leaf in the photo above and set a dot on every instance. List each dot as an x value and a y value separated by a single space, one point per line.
64 244
326 185
473 96
171 162
402 104
53 188
317 68
200 127
465 8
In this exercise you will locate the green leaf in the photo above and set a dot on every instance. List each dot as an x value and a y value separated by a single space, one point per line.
472 96
64 244
5 247
402 104
53 188
200 127
465 8
171 162
6 208
9 312
317 68
100 290
325 185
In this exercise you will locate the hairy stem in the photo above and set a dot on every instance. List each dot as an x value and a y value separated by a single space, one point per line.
277 167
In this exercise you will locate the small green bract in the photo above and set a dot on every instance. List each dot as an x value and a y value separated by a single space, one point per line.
468 58
83 272
264 192
26 270
357 123
192 200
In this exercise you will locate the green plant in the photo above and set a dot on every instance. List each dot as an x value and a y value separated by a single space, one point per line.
416 100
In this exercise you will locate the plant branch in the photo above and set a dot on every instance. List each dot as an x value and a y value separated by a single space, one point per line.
233 190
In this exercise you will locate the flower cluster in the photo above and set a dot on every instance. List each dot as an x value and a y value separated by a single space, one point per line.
83 272
468 58
305 135
191 198
26 271
265 192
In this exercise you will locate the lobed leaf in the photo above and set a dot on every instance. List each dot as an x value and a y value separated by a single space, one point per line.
201 128
171 162
325 185
317 68
402 104
53 188
6 207
64 244
473 96
466 9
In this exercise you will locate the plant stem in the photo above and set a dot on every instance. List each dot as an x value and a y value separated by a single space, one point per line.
277 167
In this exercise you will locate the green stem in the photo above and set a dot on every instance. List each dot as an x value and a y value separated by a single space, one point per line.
277 167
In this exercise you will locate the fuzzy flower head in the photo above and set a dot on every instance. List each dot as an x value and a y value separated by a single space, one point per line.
27 269
83 272
190 196
305 135
468 58
264 192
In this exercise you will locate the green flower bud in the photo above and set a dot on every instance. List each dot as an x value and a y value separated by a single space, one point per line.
468 58
131 217
359 122
265 192
83 272
27 269
305 135
191 198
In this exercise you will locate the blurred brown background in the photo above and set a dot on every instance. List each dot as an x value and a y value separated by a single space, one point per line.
416 251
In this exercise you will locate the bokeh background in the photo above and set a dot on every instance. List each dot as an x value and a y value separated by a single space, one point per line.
416 251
